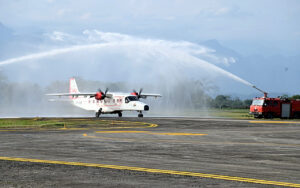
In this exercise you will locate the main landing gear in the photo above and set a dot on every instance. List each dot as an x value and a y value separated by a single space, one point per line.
120 114
98 113
140 115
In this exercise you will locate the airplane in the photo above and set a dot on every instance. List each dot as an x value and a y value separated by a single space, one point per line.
107 102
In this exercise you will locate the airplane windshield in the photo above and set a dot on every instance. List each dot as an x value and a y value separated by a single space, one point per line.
131 98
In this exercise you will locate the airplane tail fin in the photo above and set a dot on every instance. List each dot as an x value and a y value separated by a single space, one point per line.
73 87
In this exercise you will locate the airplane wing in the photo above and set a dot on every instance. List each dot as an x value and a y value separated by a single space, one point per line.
59 100
145 95
77 94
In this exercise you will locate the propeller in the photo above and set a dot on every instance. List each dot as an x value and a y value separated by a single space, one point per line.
138 94
100 95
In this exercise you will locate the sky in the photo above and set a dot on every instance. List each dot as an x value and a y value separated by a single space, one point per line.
241 33
233 22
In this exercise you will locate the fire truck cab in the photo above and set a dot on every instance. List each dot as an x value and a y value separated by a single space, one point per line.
265 107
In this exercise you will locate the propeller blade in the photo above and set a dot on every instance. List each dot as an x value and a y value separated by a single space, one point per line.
140 92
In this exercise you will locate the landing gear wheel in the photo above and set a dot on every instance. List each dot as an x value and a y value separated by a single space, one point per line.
120 114
98 113
140 115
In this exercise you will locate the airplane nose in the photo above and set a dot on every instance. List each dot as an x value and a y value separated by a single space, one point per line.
146 107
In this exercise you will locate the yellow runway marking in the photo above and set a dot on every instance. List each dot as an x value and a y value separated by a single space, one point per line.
155 133
152 170
147 125
181 134
192 141
279 122
108 132
76 129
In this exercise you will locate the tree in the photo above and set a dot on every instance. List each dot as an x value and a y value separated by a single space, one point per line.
225 101
247 103
295 97
221 101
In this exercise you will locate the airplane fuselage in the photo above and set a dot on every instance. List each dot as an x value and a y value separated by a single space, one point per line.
117 103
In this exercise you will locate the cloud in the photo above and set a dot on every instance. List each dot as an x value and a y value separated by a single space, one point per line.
162 56
195 19
99 36
57 36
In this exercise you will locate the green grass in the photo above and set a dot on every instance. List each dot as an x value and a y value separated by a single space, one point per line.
50 122
84 122
231 113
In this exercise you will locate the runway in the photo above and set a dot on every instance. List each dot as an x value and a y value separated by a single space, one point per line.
154 152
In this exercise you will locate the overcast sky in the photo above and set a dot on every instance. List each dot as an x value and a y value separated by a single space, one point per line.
178 19
263 28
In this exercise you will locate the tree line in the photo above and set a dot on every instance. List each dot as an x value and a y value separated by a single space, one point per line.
226 101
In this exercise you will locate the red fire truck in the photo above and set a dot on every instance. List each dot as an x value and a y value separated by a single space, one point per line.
265 107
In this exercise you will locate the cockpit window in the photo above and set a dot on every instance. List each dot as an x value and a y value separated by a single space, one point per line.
258 102
131 98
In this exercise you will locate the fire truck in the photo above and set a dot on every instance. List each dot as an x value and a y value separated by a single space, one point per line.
265 107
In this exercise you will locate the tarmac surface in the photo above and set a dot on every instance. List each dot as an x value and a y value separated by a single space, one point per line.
163 152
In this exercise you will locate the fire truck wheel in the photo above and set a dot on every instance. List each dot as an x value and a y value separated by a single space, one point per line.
257 116
297 115
269 116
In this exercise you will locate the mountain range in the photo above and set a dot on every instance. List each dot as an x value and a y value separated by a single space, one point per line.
276 74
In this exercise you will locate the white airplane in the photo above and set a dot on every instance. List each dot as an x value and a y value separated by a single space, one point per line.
107 102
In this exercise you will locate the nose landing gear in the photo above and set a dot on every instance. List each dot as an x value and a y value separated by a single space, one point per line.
140 115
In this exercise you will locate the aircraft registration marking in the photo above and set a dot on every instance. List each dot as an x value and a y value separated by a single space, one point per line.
152 170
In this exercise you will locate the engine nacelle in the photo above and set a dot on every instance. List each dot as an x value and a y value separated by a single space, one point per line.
99 96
